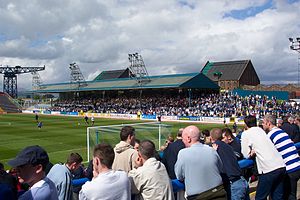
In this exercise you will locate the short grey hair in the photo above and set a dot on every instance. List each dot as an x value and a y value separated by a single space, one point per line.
271 119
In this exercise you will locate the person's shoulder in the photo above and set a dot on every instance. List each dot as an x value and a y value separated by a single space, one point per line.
184 151
46 191
122 174
57 170
26 196
221 144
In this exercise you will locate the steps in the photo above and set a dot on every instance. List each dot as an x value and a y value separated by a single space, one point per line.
7 104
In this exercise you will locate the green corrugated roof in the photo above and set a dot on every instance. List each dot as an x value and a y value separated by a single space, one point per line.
192 80
207 67
105 75
231 70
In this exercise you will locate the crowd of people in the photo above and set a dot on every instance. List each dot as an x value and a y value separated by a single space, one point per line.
206 162
210 105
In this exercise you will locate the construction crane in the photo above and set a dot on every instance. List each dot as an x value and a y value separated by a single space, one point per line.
10 77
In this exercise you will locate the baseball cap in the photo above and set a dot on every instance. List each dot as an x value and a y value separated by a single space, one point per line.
30 155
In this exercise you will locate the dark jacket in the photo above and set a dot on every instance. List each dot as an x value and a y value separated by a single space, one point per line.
170 156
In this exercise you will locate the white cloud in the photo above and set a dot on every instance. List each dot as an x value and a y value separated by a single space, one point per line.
172 36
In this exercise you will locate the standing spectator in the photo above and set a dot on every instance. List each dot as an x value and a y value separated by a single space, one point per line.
106 183
296 129
289 153
170 154
125 155
61 175
31 163
150 180
297 121
289 129
77 174
237 186
279 123
270 165
206 137
8 185
234 142
200 167
89 170
136 144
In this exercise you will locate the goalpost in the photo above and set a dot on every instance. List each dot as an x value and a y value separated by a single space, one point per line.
154 131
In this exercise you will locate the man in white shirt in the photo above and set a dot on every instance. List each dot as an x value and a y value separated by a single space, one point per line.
106 183
270 165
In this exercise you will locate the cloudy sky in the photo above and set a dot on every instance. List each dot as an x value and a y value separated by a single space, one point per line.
173 36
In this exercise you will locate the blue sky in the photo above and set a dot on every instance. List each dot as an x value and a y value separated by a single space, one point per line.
250 11
172 36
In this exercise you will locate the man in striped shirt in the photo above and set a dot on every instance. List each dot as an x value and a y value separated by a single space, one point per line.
289 153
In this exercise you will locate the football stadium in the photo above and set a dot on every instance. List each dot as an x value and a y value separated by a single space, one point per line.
79 116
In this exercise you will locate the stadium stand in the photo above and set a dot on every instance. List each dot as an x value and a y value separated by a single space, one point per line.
7 104
207 105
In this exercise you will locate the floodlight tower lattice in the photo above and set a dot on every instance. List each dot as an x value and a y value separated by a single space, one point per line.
138 69
76 76
36 80
10 77
295 46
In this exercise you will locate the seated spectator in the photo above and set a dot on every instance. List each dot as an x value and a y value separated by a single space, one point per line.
31 163
61 175
106 183
150 179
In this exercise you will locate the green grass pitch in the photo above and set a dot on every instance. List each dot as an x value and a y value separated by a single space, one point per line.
60 135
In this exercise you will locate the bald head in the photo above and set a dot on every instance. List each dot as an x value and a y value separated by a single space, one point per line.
190 135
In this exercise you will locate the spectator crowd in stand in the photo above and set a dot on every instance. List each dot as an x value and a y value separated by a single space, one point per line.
212 105
206 162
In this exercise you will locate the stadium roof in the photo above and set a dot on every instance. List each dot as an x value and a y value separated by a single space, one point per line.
105 75
231 70
192 80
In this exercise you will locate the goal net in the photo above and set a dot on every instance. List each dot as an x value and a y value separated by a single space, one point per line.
154 131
